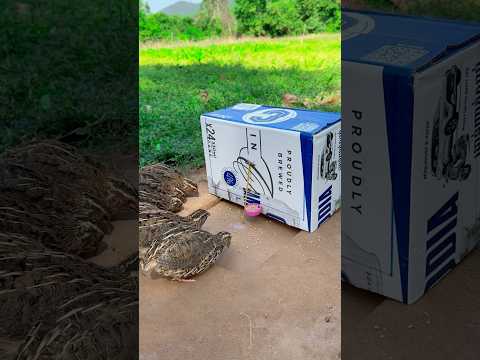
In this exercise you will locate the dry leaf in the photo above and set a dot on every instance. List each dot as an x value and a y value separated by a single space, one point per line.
308 103
290 100
333 99
204 95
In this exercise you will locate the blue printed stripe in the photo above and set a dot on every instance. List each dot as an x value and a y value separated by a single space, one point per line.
306 142
276 217
252 198
398 92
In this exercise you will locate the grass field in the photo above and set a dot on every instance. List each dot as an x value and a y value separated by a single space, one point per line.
58 76
178 84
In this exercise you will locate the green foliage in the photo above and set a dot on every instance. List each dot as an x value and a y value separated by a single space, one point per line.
178 84
320 15
287 17
252 17
249 16
160 26
282 18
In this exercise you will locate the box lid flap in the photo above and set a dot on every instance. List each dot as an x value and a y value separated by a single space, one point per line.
303 121
405 42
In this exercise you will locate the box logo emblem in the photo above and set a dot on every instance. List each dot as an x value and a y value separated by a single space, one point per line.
269 116
229 177
354 25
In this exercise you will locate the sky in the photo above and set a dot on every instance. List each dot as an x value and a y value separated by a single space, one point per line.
156 5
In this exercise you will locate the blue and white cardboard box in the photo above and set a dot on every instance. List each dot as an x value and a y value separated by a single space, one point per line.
411 150
289 158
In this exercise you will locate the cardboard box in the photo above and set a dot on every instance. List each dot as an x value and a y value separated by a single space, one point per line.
411 136
289 158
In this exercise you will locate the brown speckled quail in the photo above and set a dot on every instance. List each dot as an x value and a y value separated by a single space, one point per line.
91 330
144 208
150 215
164 187
35 282
98 322
75 224
48 187
163 223
183 253
56 204
157 224
159 199
64 166
64 307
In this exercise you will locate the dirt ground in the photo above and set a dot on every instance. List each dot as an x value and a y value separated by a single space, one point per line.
275 294
443 325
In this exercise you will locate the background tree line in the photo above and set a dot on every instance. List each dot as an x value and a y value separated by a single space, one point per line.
468 10
245 17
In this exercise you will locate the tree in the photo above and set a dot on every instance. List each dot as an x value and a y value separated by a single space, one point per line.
143 7
282 18
320 15
249 15
214 13
287 17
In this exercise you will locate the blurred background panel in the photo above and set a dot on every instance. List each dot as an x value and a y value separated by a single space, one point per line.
444 323
69 71
68 179
462 10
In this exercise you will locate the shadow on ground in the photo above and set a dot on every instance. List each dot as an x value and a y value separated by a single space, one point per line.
172 98
444 324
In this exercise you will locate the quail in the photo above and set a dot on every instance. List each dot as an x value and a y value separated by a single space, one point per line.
184 253
48 189
164 187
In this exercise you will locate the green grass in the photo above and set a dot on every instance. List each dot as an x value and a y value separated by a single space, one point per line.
69 68
178 84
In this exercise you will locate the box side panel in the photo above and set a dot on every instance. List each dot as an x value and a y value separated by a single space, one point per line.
257 165
371 241
445 172
326 175
208 140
